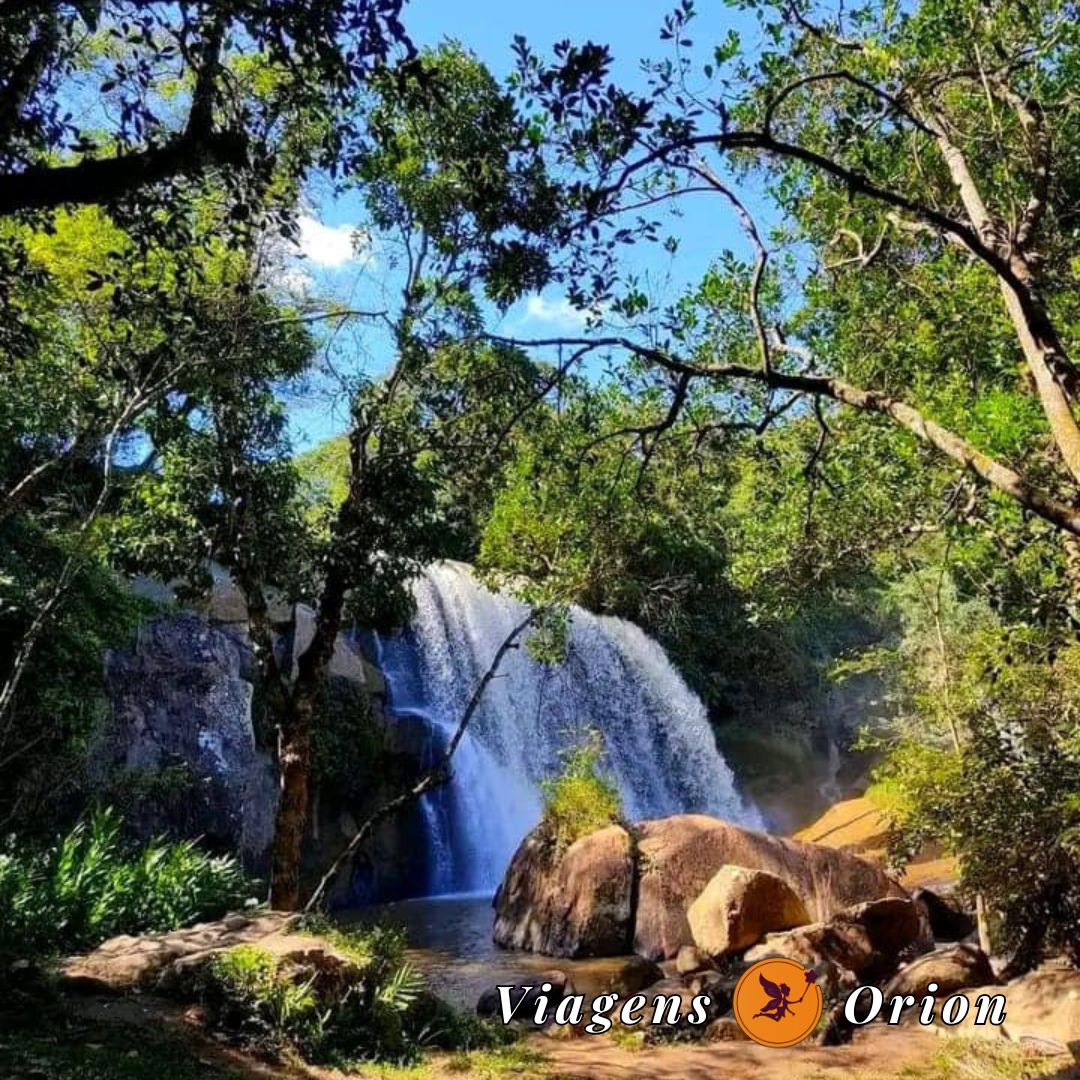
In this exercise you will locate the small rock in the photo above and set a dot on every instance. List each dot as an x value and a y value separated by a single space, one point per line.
955 968
724 1029
633 975
719 990
896 931
489 1003
839 951
1042 1007
689 960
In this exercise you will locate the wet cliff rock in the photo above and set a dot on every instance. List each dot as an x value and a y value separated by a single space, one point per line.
178 752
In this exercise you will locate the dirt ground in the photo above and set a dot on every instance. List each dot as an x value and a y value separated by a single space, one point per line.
878 1053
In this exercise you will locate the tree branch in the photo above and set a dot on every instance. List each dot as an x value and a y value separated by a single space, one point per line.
1006 480
103 180
436 776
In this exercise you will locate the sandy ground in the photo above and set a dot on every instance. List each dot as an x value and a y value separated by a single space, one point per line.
878 1053
881 1053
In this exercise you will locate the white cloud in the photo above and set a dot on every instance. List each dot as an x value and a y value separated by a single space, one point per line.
295 266
560 311
331 246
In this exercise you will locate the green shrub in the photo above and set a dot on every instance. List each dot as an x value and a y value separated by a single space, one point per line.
371 1008
435 1024
252 997
579 799
327 1015
91 884
985 760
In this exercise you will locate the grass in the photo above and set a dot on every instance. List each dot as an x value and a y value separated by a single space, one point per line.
506 1061
628 1038
967 1059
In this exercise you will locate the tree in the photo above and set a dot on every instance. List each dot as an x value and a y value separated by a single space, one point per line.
983 756
323 51
454 192
220 112
111 348
874 140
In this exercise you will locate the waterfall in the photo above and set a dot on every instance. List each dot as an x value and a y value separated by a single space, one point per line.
659 747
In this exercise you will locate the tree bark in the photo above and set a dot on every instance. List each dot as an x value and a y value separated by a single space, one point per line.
1038 337
1063 516
100 181
294 756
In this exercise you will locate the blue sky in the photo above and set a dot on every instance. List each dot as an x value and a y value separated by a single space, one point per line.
331 267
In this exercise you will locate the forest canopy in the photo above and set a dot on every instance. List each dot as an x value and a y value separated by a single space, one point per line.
848 445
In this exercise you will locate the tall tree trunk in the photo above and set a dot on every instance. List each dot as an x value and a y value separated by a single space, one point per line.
1046 359
1038 337
294 762
294 756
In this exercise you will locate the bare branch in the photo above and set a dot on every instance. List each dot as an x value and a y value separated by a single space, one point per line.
1005 479
436 776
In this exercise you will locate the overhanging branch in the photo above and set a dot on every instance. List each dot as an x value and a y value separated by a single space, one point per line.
1006 480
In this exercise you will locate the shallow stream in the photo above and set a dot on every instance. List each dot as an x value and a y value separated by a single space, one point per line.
450 942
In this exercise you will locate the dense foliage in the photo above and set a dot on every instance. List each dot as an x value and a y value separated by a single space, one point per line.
851 446
62 697
983 758
90 884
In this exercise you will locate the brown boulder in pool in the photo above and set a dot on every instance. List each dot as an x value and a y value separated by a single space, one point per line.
574 905
605 896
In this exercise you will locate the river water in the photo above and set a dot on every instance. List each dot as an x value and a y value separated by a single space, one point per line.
450 942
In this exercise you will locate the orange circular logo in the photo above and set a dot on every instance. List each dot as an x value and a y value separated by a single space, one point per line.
778 1002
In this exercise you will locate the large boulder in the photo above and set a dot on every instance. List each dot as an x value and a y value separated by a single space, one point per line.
607 895
739 907
864 943
178 753
127 963
1043 1005
949 920
678 856
576 904
861 827
954 968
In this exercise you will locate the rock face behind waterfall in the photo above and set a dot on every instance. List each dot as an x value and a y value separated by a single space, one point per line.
609 894
179 747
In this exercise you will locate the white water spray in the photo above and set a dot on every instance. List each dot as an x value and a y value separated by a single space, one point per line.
659 746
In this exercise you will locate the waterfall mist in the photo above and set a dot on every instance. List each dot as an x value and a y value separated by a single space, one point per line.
659 747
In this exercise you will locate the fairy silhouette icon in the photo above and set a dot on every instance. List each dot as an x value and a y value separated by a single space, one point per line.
779 1021
780 1004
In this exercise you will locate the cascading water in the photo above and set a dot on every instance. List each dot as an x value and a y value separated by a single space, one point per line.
659 747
